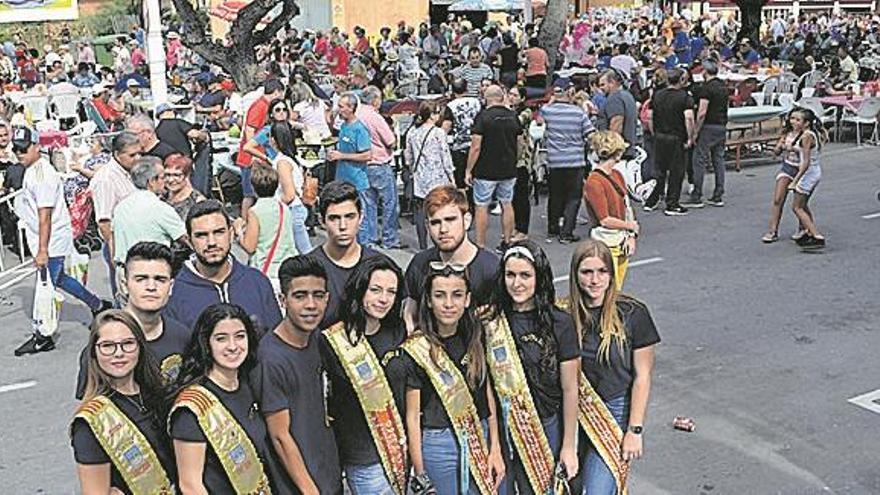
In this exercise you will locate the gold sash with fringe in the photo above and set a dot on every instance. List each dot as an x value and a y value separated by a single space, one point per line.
235 450
519 409
377 403
452 389
128 448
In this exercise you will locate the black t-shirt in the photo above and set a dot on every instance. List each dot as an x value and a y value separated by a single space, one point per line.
337 277
13 176
509 58
356 445
433 413
481 274
161 150
167 349
499 127
669 105
544 379
243 407
174 133
715 91
87 449
613 379
291 378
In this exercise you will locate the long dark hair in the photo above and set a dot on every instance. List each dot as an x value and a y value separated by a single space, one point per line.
469 326
811 123
282 133
351 310
544 298
197 359
146 371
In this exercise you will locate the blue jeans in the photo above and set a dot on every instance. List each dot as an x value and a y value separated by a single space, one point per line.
516 472
300 233
441 457
111 268
63 281
598 479
365 235
367 479
383 187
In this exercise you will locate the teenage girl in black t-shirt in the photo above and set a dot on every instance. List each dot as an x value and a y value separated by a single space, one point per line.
548 349
121 370
220 357
617 354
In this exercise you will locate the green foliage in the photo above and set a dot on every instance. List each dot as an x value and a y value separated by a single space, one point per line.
37 34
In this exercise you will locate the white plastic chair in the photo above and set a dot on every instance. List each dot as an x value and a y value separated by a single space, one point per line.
769 89
865 114
786 100
825 115
66 107
37 107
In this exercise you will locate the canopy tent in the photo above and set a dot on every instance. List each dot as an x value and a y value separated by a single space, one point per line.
486 5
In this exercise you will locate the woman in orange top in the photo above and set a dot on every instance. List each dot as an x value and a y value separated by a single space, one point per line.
536 65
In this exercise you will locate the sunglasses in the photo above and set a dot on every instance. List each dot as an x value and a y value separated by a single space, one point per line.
279 109
442 266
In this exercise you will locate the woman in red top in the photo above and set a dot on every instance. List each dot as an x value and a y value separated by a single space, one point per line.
536 65
606 197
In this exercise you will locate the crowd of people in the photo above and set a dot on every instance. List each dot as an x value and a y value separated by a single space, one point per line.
306 367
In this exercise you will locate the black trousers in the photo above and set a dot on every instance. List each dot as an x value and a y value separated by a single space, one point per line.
566 185
669 163
522 202
459 161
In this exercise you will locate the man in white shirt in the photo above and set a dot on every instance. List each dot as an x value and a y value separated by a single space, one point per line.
46 221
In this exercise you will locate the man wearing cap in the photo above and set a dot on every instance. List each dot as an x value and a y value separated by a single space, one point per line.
131 95
213 103
101 101
46 222
567 128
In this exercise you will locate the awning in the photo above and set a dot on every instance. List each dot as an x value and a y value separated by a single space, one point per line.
486 5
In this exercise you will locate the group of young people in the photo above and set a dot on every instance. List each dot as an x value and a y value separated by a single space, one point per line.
463 374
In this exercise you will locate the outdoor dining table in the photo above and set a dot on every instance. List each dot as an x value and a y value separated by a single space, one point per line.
744 76
753 115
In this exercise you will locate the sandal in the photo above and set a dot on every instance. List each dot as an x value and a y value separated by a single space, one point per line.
770 237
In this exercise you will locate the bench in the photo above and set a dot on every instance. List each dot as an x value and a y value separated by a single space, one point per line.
738 144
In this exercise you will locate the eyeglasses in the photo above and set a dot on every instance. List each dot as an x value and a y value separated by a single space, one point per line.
173 175
108 347
441 266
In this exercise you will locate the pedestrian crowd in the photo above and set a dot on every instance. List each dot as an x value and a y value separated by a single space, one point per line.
305 367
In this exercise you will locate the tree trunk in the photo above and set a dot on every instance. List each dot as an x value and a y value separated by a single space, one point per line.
552 30
750 14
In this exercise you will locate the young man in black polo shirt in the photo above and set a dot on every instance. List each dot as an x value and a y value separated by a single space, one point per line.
448 221
711 132
341 214
290 384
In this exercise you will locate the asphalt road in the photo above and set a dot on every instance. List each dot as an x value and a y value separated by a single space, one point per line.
763 346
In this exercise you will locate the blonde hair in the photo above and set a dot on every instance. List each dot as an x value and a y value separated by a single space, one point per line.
611 327
607 144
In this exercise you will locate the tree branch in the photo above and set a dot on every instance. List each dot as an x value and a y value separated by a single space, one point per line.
288 12
194 34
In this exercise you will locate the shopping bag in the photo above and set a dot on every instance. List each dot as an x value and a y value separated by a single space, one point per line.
47 305
77 266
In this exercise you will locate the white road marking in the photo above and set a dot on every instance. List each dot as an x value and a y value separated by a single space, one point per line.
871 216
646 261
870 401
17 386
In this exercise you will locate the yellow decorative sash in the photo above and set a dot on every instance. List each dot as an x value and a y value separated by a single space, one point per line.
170 368
518 409
228 439
127 447
452 389
601 427
377 402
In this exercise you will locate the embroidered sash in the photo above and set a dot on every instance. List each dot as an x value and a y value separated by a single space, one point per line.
228 439
127 447
170 368
452 389
518 408
377 402
600 426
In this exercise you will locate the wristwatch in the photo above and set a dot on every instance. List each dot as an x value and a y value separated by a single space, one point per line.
636 429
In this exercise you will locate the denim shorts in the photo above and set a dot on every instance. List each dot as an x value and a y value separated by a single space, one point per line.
483 190
809 181
787 170
247 187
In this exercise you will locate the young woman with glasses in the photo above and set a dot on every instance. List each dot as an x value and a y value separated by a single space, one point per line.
452 428
617 357
117 434
534 357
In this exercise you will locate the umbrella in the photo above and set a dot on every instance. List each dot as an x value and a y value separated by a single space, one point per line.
486 5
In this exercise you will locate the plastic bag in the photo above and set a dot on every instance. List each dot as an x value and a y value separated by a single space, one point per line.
47 305
77 266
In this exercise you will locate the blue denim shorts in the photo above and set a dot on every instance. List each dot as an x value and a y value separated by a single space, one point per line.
247 187
809 181
483 190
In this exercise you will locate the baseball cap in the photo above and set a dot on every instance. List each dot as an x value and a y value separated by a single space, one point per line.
561 85
162 108
23 138
98 89
132 83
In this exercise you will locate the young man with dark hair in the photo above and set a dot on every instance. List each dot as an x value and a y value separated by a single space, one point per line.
215 276
341 214
148 277
448 216
290 383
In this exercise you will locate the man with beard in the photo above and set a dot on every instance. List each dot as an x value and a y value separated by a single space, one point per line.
148 284
448 216
341 214
214 276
